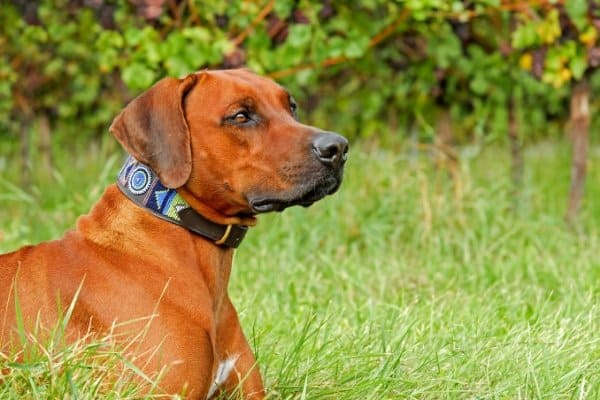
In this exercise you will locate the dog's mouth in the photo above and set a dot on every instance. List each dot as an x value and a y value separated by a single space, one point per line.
304 195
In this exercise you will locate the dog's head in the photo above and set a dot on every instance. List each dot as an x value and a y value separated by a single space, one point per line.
229 141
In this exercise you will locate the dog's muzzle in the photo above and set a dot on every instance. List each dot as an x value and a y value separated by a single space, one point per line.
331 152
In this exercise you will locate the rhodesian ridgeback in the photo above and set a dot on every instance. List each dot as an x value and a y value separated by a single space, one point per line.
207 153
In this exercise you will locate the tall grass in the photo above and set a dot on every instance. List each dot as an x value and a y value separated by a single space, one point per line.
401 286
44 364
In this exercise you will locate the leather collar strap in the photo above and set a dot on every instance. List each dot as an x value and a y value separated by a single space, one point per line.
142 186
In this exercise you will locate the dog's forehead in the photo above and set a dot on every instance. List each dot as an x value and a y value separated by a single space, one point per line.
243 83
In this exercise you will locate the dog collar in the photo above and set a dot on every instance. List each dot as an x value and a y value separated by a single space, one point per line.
142 186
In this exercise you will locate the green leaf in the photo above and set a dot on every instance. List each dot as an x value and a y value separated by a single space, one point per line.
356 47
577 11
525 36
138 76
479 85
299 35
578 65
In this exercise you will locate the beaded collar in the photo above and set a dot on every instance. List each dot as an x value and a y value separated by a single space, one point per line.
142 186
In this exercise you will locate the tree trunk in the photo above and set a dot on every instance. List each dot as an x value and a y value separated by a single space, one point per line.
25 156
577 129
443 129
445 155
516 153
45 144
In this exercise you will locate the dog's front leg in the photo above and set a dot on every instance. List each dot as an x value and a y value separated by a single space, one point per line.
238 369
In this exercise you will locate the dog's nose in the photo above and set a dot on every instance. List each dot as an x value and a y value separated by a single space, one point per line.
331 149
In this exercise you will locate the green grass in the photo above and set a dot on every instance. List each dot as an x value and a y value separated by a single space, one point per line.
397 287
44 365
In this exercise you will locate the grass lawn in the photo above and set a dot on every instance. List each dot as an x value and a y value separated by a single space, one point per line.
400 286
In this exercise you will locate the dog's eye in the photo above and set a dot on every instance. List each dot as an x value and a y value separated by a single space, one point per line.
241 117
293 106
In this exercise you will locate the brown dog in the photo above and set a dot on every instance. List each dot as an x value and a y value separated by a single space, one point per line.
209 152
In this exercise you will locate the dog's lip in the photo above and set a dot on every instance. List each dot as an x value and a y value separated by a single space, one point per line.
267 205
304 196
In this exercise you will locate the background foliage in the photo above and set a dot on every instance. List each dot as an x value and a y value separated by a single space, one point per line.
437 72
369 68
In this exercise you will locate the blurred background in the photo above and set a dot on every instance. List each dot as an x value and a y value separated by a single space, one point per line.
438 74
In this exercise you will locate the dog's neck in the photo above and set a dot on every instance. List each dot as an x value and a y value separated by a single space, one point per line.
142 186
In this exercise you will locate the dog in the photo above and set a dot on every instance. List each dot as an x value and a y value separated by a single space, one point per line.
207 154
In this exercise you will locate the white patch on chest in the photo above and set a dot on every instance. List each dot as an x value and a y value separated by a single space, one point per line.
223 371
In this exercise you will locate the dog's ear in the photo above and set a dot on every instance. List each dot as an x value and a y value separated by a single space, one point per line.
153 129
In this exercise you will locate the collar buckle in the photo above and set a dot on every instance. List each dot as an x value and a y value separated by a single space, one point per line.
225 236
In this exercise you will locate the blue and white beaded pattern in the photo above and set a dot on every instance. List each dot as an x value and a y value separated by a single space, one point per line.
140 180
142 183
